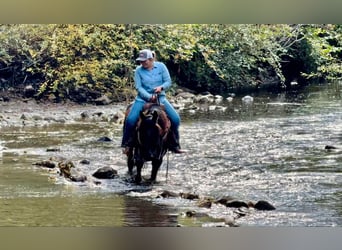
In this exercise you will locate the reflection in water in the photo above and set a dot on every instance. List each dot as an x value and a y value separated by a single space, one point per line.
72 211
142 213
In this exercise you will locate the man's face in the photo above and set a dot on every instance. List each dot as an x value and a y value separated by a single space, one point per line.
147 64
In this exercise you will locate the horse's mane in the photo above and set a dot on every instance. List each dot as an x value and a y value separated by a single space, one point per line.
163 119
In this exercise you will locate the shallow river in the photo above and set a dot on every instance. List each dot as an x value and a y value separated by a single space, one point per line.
272 149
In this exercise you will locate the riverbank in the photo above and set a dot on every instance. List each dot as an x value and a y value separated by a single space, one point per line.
28 112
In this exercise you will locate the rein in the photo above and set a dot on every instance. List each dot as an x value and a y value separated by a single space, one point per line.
164 138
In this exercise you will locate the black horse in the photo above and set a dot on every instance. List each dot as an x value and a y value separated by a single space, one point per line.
151 139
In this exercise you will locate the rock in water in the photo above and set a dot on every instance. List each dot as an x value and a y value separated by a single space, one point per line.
263 205
104 139
105 173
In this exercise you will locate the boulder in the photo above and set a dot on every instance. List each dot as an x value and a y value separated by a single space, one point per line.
46 164
205 202
263 205
167 194
78 178
104 139
105 173
85 161
29 91
236 204
224 200
189 196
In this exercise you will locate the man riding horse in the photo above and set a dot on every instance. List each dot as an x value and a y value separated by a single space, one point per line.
151 78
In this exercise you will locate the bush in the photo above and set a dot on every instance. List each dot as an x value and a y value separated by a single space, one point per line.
83 62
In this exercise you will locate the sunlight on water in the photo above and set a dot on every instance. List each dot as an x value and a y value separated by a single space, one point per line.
272 149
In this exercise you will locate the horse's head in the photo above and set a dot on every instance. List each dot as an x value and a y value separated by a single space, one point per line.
150 135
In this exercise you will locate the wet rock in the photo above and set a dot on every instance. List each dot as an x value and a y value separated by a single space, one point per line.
330 147
5 99
78 178
85 115
103 100
85 162
218 98
29 91
205 202
118 117
65 168
105 173
247 99
104 139
224 200
211 107
229 99
209 98
236 204
263 205
221 108
52 150
46 164
59 120
168 194
193 213
98 114
189 196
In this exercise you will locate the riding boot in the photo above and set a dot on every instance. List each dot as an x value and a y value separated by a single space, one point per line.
128 142
173 142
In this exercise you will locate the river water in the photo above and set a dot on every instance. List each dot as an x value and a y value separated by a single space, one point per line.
271 149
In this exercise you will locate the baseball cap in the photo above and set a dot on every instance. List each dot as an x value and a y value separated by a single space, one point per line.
144 55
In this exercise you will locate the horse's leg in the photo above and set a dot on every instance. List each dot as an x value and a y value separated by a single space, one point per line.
155 167
130 162
139 165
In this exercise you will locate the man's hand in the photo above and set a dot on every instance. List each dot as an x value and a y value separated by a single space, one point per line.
157 90
153 98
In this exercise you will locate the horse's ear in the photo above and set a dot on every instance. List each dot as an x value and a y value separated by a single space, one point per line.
155 116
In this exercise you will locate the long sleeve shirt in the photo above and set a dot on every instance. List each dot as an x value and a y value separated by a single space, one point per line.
147 80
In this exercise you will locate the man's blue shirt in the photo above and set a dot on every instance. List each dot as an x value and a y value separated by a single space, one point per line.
147 80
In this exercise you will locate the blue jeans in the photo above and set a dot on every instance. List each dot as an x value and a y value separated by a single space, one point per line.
134 114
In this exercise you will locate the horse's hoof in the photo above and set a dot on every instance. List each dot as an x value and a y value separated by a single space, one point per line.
137 180
151 181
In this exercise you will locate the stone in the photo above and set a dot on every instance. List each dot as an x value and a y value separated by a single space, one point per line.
263 205
105 173
236 204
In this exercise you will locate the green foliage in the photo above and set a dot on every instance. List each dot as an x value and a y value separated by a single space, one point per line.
83 62
325 45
